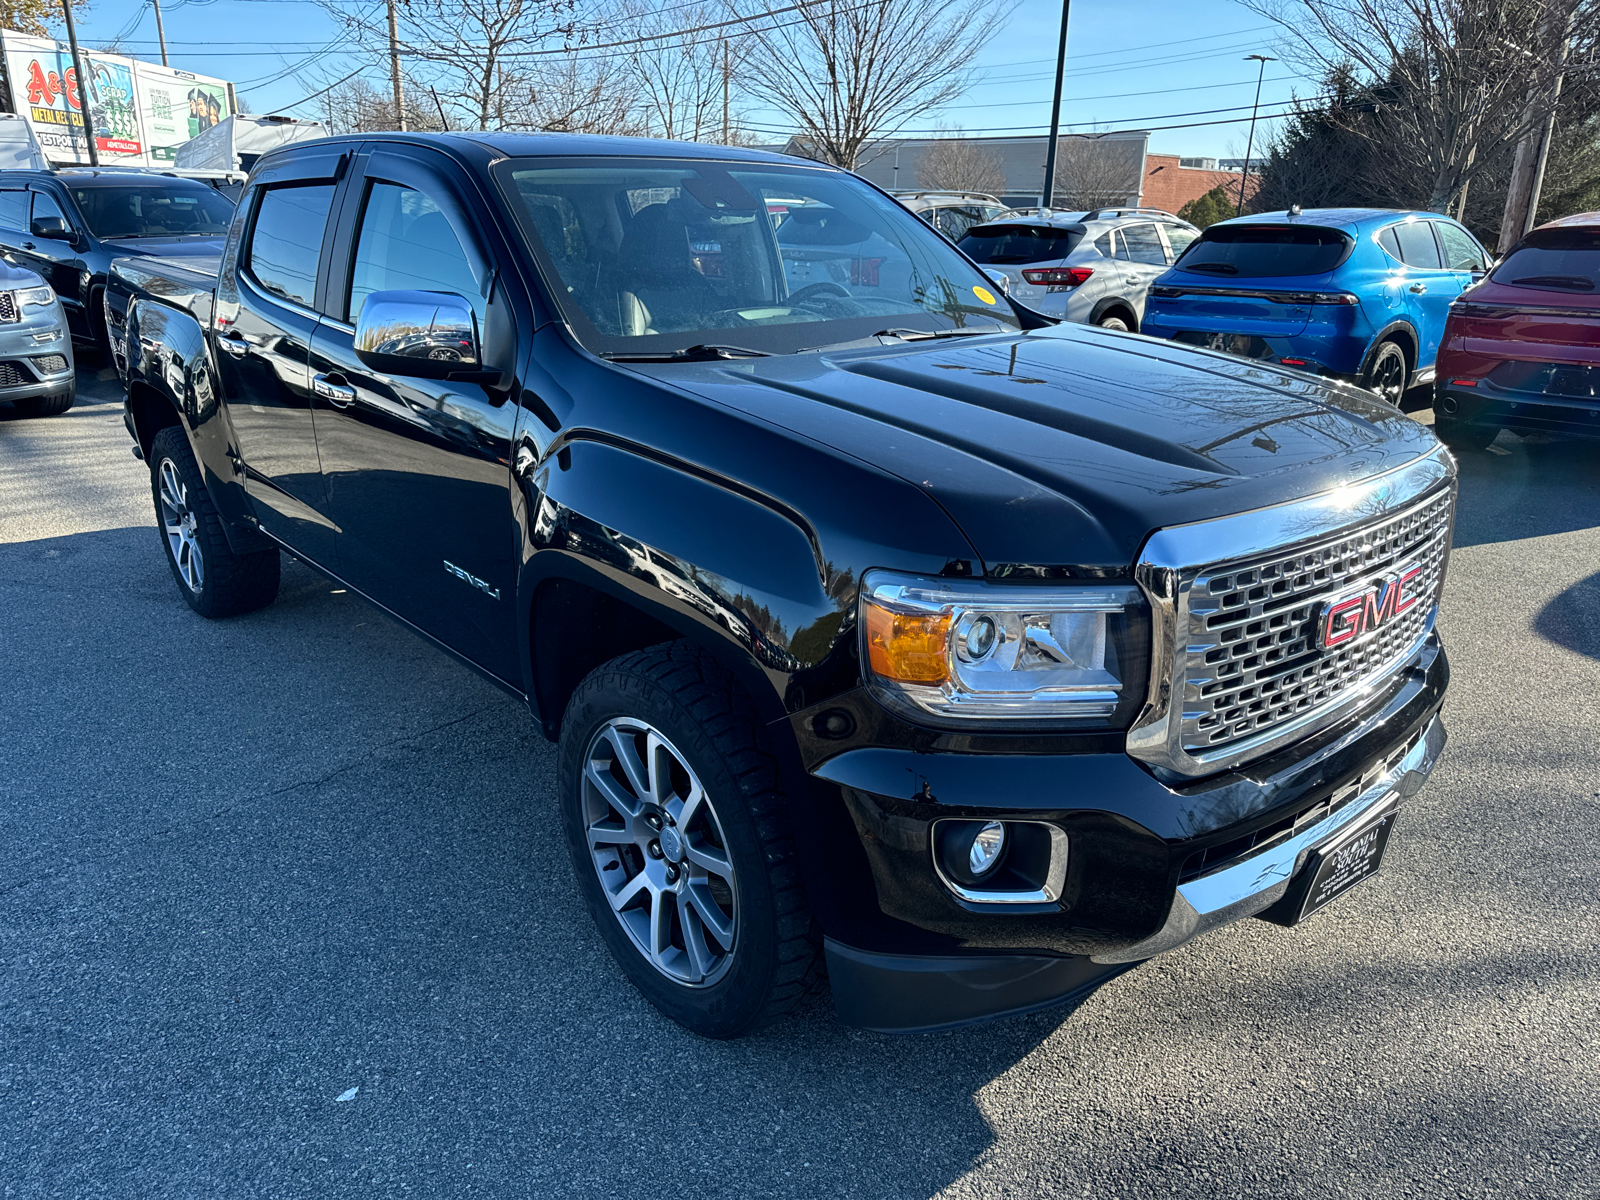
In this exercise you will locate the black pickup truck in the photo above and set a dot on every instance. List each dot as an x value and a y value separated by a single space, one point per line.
882 626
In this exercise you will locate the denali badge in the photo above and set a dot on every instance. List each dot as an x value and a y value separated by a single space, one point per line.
469 577
1349 616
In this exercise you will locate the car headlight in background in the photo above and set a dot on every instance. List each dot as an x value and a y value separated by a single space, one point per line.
38 295
1012 655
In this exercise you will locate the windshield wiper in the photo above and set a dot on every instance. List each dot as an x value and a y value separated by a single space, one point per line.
696 353
1578 283
922 335
1219 268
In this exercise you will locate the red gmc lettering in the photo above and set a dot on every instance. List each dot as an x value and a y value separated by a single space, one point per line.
1347 619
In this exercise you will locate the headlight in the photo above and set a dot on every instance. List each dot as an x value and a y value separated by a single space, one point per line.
38 295
1022 657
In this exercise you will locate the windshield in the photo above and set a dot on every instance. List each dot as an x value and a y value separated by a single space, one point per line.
1019 243
652 256
1565 260
1265 251
151 210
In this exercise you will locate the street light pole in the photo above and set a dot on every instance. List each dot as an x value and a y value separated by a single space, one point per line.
1055 113
82 86
1250 143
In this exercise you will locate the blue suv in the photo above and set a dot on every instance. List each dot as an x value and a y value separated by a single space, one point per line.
1359 294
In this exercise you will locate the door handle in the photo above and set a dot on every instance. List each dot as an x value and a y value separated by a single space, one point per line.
340 395
27 245
1419 288
234 344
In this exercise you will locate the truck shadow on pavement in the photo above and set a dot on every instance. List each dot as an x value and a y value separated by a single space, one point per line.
1524 489
250 865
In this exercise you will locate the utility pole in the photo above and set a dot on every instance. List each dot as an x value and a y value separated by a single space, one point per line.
161 34
1250 142
394 70
1533 152
82 87
727 74
1055 112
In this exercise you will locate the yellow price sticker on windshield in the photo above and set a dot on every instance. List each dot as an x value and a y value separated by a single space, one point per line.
985 295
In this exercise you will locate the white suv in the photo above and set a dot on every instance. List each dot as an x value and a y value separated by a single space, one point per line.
952 213
1093 268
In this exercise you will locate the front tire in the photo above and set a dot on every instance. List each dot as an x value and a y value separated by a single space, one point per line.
1387 373
216 580
680 841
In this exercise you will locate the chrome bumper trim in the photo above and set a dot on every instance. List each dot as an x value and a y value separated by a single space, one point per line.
1257 883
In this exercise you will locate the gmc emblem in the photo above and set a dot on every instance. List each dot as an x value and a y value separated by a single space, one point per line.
1356 613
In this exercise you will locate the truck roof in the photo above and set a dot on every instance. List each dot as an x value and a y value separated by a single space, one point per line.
563 145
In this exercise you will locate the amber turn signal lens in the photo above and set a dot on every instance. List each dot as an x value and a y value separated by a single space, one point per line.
908 647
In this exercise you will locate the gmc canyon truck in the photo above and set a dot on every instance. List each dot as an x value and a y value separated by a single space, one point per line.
885 629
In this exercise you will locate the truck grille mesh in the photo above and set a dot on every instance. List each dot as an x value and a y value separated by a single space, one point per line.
1252 658
8 306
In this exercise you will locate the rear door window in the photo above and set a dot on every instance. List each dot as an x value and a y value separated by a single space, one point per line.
1461 252
1417 247
1563 260
287 240
954 222
13 210
1267 251
999 244
1144 244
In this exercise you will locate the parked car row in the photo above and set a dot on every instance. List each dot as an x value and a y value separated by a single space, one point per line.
59 232
1389 300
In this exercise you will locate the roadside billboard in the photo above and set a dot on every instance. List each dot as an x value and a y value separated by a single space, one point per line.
141 113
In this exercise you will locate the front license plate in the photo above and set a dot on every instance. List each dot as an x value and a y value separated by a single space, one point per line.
1338 866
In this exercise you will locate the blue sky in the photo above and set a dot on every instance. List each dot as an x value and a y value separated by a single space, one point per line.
1140 65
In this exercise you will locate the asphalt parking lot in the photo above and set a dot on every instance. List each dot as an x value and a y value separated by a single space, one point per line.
285 912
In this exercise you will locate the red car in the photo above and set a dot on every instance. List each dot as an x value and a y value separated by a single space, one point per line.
1521 350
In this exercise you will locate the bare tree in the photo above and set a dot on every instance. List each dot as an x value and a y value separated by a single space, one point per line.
478 56
578 93
1093 171
1449 82
848 72
682 78
959 165
356 106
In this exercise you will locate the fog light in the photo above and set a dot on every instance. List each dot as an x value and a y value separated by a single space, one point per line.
986 847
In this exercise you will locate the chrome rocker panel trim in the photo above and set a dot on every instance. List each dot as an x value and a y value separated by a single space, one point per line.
1257 883
1173 557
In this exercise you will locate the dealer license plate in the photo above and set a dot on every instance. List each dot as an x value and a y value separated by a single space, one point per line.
1337 866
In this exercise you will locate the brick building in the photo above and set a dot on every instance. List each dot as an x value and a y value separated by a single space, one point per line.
1171 182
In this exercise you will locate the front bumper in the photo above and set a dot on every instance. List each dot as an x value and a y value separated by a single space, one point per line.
35 355
1150 866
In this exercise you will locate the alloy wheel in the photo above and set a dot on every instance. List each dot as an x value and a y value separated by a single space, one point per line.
659 852
1388 377
179 522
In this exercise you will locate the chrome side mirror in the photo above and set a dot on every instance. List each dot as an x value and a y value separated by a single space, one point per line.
427 335
1002 281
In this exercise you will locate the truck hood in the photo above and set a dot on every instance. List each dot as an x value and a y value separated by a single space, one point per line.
186 246
1063 449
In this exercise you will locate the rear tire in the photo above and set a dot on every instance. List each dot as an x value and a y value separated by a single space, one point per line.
1387 373
215 580
47 406
1113 322
1463 435
680 840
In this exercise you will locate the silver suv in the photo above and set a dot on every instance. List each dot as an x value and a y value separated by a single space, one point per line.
952 213
1093 267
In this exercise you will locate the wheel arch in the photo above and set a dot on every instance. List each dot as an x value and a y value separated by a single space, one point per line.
1404 335
1115 306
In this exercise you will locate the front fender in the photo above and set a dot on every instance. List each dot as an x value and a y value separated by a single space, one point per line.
732 570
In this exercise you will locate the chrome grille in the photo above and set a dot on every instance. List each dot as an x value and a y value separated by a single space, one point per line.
8 306
1252 662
